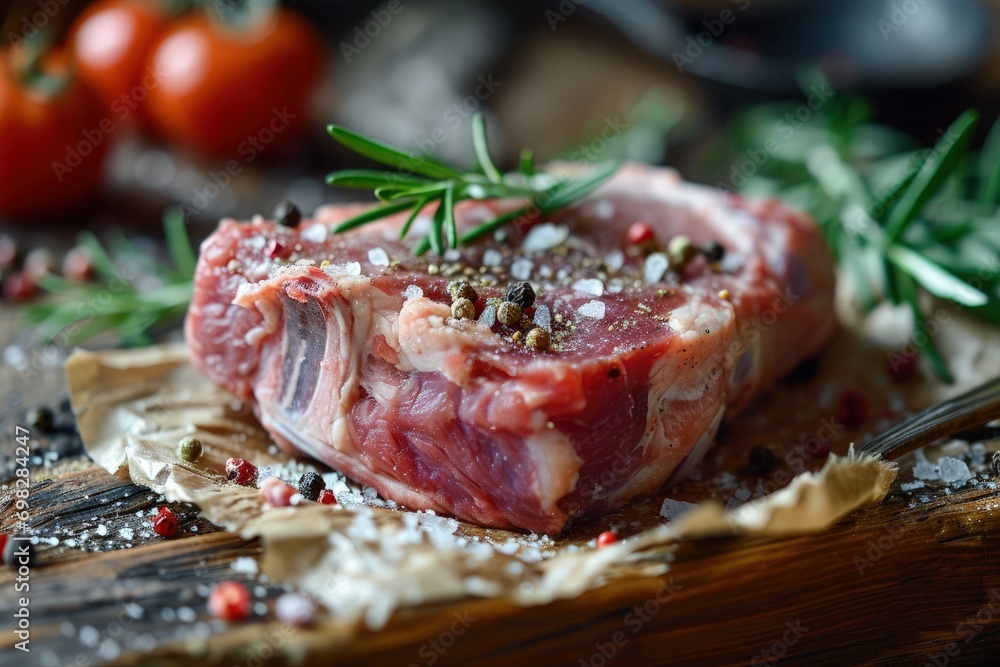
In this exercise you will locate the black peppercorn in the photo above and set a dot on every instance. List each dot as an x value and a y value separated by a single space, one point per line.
310 486
286 213
459 289
996 463
521 294
41 419
714 251
762 460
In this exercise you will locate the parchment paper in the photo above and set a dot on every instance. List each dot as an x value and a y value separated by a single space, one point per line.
366 561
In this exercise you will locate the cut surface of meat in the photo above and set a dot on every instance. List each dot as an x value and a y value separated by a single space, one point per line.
347 346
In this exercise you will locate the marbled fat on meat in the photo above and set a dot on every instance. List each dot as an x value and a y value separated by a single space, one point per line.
361 366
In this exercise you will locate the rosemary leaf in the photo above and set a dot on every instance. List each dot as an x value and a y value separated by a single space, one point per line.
924 342
934 278
393 157
178 243
372 214
932 175
369 179
482 149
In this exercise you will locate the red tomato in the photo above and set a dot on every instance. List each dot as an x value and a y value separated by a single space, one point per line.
225 91
52 143
110 42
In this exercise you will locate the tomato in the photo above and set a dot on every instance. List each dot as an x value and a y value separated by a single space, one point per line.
225 91
52 145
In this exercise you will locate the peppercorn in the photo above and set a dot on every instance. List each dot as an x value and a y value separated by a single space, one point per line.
639 232
241 471
189 449
326 497
762 460
41 419
276 492
462 309
509 313
606 538
714 251
230 601
459 289
165 523
852 408
521 293
311 485
996 463
286 213
680 250
538 339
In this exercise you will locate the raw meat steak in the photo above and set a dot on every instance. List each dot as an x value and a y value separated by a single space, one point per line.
347 345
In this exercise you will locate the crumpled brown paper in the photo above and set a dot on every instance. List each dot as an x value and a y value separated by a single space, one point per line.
365 562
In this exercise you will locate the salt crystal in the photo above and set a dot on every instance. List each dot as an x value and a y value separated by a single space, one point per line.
545 236
186 615
594 309
615 286
295 608
89 636
590 286
489 316
674 509
245 565
348 269
378 257
604 209
924 469
953 471
521 269
492 257
102 530
912 486
452 255
413 292
543 318
315 233
614 260
655 266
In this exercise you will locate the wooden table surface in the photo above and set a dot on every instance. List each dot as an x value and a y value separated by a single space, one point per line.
906 582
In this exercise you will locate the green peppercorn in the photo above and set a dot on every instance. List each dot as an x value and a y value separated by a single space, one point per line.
509 313
521 293
190 449
680 250
462 309
459 289
538 339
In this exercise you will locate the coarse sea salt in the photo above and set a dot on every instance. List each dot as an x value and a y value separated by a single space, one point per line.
655 266
544 236
413 292
348 269
492 257
543 318
589 286
378 257
674 509
594 309
953 471
315 233
521 269
614 260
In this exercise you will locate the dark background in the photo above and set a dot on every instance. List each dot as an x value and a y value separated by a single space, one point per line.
566 70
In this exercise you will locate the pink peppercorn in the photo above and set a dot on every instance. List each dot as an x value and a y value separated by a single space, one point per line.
242 472
852 408
165 523
276 492
230 601
606 538
640 232
326 497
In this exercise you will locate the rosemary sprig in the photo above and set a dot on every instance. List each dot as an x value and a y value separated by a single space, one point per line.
133 292
898 217
418 182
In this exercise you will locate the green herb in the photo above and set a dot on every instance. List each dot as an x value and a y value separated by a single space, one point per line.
899 218
417 182
74 312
